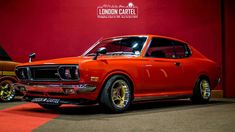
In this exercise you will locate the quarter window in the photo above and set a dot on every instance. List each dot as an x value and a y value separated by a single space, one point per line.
165 48
181 50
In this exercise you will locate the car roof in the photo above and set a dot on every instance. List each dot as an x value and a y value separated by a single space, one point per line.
147 35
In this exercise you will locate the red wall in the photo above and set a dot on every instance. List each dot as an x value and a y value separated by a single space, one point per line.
61 28
58 28
229 47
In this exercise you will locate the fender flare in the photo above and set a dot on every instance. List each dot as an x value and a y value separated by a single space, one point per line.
11 78
116 72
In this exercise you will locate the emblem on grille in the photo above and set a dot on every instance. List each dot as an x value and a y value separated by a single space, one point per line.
57 74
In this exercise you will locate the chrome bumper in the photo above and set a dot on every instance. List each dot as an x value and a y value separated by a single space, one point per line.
65 89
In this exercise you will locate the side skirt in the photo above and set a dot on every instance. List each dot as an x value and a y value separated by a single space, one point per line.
163 97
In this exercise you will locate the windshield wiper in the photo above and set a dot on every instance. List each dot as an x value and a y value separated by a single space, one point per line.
114 53
120 53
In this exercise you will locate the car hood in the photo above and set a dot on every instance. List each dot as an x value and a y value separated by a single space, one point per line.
7 65
72 60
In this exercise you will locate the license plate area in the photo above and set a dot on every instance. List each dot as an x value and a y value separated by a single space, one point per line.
46 100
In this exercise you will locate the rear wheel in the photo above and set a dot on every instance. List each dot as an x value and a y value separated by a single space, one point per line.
116 95
50 106
7 91
202 91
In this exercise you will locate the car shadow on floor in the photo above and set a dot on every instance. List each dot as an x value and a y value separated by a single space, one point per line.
15 100
74 112
137 108
7 104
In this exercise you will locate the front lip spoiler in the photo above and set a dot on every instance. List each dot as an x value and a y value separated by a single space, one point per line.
61 101
79 88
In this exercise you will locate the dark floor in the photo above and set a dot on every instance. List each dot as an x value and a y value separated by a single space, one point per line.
173 115
17 101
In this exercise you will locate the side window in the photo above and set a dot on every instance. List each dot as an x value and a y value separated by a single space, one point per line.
181 50
166 48
161 48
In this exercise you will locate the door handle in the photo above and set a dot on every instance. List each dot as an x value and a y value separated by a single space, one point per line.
177 63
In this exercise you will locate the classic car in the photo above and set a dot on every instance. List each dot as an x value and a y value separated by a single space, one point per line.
118 71
7 77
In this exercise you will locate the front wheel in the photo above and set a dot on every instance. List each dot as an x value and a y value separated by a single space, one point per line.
7 91
116 95
202 91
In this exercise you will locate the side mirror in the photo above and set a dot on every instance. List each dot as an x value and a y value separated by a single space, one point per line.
101 50
31 56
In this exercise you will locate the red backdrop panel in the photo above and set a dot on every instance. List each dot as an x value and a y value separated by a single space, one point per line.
61 28
229 57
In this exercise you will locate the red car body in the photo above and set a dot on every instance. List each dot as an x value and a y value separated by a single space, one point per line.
148 77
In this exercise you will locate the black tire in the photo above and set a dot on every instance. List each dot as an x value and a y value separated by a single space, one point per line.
202 91
115 98
7 91
50 106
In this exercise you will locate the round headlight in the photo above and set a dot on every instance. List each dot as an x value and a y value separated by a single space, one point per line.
22 73
68 72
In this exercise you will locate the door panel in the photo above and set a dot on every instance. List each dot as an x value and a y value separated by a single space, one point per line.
165 65
189 74
162 75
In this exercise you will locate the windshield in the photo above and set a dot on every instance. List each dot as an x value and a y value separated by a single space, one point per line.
120 46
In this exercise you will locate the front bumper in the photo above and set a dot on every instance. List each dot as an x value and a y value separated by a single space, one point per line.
48 90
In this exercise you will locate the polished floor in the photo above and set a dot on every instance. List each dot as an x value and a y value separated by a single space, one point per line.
171 115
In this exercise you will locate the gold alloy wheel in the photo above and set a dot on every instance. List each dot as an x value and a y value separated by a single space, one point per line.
7 92
120 93
205 89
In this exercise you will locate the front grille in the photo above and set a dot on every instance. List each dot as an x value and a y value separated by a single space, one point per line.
47 73
44 73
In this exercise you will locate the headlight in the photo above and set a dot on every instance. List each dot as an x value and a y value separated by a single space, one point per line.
68 72
22 73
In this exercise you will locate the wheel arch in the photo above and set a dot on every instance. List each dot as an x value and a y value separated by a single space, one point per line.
11 78
197 97
202 76
113 73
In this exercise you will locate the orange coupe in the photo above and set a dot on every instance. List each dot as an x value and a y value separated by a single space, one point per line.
117 71
7 77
